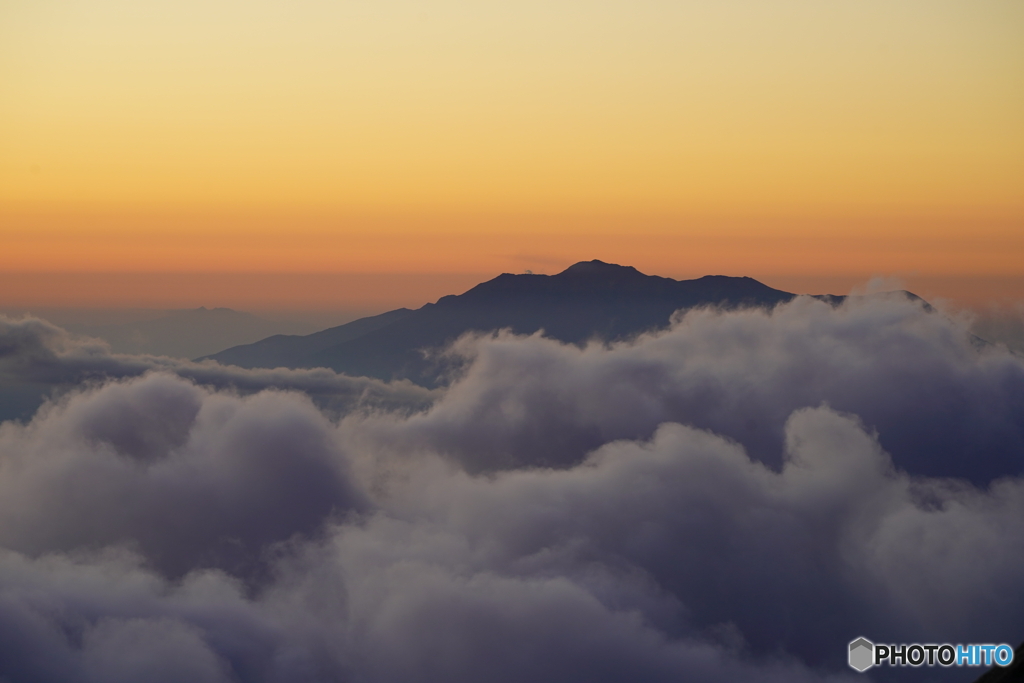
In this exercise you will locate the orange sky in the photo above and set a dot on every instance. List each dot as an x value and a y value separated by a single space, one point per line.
798 142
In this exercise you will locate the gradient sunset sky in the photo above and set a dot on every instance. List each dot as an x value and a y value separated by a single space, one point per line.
324 154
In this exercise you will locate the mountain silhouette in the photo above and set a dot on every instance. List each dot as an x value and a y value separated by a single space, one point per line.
588 300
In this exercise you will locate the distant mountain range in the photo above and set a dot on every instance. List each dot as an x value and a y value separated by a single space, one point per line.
590 299
185 333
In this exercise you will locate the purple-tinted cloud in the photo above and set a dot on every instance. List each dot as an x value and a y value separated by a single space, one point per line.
733 499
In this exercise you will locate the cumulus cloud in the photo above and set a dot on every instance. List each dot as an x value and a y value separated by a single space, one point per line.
189 476
942 404
735 498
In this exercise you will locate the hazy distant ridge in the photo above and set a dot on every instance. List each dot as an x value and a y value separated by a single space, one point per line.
184 333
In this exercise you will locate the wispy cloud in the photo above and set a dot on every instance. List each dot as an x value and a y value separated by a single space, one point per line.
36 353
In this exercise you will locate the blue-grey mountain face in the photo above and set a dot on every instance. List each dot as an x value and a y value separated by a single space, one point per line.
291 351
588 300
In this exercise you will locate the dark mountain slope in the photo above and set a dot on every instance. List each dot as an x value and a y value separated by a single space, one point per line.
292 351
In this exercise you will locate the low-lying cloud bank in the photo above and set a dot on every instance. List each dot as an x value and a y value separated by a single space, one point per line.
38 358
733 499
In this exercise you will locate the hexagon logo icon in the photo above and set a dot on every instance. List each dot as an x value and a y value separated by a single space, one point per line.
862 654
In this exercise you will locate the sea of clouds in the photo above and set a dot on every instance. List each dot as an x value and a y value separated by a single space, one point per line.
732 499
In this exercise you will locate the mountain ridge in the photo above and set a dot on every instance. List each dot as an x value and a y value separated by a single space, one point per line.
590 299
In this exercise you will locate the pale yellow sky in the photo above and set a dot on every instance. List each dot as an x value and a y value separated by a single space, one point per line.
787 137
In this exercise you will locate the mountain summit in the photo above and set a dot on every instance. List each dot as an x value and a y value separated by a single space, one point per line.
590 299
